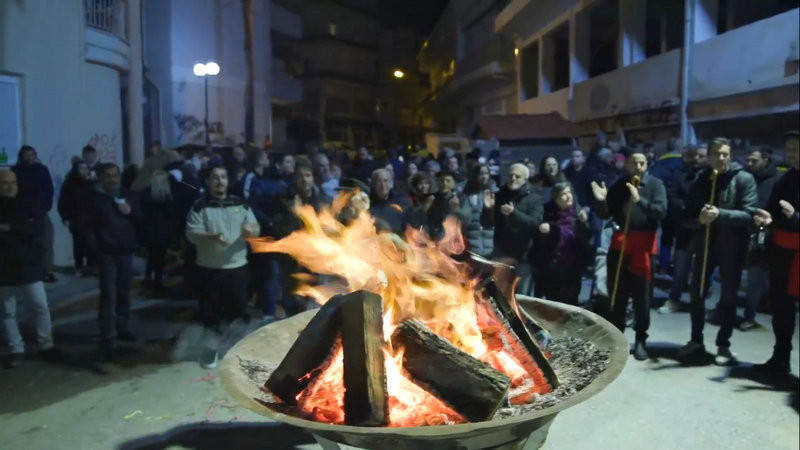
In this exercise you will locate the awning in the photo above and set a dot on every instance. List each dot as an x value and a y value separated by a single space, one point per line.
526 126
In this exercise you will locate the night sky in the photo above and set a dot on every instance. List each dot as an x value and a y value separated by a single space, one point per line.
420 15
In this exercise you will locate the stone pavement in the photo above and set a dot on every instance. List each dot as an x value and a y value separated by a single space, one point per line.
155 396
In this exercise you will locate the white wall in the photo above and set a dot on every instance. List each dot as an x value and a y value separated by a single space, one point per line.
65 101
206 30
555 101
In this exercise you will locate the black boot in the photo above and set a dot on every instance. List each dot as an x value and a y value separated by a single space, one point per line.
777 365
640 351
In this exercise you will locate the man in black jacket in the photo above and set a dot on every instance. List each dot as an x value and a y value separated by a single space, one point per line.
643 198
112 225
729 218
784 259
389 208
36 192
759 164
21 270
515 212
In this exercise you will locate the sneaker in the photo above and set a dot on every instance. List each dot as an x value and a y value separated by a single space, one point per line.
640 351
15 360
50 278
724 357
126 336
691 349
670 306
747 325
208 359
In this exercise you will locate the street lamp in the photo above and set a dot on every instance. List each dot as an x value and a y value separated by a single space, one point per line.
398 73
209 69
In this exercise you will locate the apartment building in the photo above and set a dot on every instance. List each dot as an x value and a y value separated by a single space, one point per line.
637 65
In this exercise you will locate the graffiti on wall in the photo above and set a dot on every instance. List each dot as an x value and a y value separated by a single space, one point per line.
105 145
191 130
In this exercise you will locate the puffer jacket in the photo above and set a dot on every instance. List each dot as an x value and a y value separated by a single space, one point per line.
227 216
479 237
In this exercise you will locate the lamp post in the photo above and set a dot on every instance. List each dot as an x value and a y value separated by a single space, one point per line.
209 69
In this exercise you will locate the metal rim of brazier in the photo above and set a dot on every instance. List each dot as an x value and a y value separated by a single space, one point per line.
560 319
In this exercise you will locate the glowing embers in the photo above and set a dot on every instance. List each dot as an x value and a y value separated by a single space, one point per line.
417 281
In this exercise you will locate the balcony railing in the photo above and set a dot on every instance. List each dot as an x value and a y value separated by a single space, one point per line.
106 15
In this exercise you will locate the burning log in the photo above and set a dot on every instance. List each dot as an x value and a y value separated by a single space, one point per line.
365 397
516 325
473 388
309 351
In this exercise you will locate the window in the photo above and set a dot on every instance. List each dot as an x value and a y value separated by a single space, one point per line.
10 116
663 26
555 61
332 29
529 71
364 108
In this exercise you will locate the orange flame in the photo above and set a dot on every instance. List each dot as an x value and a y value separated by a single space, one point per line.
417 278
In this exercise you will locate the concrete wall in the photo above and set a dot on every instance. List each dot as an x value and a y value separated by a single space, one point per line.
66 102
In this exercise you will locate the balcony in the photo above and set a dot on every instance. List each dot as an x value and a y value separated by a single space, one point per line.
106 42
494 57
106 15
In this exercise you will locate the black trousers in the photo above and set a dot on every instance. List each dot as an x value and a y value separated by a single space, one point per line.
80 248
630 287
116 273
784 306
559 283
731 260
155 264
223 295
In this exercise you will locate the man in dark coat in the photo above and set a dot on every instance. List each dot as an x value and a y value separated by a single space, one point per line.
759 164
112 224
729 217
389 208
784 260
21 270
515 212
642 198
36 192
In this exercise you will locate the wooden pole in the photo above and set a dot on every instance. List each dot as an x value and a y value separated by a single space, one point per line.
714 175
635 180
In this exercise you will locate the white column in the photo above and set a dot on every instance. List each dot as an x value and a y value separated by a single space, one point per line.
632 17
135 83
705 19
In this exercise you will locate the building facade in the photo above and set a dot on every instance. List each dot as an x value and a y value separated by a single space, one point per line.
471 67
117 74
732 66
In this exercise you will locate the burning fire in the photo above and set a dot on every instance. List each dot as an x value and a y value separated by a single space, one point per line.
417 278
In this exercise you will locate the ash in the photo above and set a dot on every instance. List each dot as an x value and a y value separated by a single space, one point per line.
577 362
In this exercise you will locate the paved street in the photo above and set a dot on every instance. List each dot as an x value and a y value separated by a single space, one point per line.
156 397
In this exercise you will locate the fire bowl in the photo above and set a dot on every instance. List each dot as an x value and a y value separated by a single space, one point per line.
269 344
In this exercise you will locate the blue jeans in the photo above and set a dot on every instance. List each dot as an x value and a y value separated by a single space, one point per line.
116 274
757 286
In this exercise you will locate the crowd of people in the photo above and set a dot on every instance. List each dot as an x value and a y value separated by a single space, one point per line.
615 216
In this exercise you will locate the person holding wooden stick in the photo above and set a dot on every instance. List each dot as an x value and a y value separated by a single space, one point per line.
639 201
784 260
720 209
